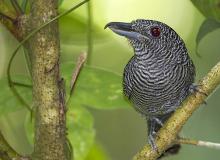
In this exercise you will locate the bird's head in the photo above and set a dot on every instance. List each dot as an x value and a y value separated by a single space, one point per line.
146 35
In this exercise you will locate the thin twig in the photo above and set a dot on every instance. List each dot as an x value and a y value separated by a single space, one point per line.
89 32
80 61
198 143
10 82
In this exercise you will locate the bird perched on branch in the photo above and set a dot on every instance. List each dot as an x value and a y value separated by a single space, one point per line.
160 75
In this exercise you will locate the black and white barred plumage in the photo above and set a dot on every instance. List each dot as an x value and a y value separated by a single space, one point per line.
160 74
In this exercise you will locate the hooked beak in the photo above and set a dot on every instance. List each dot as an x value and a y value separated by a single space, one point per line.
125 29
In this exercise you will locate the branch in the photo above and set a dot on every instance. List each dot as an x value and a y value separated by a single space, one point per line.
168 133
198 143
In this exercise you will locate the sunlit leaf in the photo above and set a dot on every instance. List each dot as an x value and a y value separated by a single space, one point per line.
95 87
208 26
209 8
97 152
8 102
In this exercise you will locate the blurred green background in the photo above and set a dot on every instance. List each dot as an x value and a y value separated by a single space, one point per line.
120 133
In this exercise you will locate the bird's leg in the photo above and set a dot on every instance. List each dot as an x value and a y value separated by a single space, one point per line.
154 124
151 134
151 141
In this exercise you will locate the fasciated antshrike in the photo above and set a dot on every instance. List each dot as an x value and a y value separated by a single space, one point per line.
160 75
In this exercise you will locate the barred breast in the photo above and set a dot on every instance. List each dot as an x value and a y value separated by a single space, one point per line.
157 86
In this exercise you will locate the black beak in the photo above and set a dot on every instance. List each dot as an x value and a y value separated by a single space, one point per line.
124 29
119 26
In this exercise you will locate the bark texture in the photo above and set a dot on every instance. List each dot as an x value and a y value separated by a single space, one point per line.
48 92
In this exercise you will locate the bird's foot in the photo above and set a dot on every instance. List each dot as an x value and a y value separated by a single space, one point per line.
195 88
151 141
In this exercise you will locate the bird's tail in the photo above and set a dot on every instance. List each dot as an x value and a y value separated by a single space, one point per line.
171 150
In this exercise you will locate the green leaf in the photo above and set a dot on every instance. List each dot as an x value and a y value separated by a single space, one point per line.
209 8
208 26
80 131
95 87
8 102
97 152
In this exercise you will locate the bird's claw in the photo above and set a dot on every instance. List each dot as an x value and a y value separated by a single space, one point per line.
151 141
195 88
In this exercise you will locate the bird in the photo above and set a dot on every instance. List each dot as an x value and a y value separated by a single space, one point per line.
160 74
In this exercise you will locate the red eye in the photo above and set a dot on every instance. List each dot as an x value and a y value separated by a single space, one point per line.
155 31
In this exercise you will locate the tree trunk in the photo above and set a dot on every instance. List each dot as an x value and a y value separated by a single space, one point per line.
50 131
